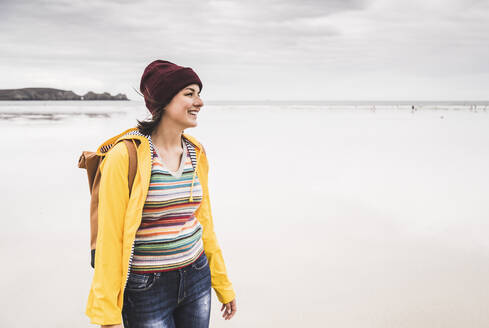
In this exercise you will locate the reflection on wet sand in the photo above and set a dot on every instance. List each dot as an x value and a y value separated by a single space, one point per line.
53 116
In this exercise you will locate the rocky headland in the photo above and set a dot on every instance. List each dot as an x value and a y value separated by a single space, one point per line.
54 94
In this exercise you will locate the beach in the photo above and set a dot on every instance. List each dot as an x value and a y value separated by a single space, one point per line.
328 215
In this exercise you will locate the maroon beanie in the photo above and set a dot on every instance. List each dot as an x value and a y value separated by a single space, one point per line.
162 80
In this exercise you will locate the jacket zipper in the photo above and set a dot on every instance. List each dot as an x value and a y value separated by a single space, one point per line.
191 199
133 240
130 263
132 253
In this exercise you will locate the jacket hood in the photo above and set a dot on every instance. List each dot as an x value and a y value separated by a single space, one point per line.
134 134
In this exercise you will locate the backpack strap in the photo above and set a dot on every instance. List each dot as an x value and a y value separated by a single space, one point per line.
91 161
133 162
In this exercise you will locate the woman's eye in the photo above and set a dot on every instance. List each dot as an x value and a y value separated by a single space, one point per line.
188 94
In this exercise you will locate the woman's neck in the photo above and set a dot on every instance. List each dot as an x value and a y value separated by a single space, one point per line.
167 137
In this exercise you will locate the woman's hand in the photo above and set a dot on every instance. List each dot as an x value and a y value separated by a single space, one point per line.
111 326
229 309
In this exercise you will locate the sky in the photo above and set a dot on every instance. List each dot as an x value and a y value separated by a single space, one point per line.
253 50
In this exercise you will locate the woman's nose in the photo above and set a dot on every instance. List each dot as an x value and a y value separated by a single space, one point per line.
198 102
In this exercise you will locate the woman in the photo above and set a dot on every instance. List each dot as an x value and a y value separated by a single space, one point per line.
157 255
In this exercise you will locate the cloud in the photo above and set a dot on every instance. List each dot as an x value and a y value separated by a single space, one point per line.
285 46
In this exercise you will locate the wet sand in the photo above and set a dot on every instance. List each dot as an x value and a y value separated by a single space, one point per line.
326 218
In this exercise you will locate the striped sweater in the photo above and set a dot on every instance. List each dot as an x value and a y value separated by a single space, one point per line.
170 236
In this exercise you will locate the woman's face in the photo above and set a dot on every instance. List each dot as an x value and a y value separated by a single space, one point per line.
184 106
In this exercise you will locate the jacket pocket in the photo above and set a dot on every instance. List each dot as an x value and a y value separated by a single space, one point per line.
139 282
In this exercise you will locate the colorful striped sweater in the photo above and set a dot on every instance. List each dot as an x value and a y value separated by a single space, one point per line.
170 236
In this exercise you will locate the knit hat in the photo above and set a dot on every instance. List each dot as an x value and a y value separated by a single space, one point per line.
162 80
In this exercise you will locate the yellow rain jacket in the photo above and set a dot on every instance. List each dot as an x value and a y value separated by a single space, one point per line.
119 217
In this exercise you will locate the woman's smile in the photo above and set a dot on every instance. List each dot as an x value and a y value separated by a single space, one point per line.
193 113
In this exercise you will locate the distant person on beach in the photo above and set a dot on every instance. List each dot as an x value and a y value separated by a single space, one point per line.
157 254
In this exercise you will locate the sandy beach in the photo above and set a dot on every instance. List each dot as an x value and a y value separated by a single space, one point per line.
328 216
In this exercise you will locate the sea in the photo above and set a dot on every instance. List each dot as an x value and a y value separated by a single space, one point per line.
329 214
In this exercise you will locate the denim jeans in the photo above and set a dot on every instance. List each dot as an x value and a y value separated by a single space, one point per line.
178 298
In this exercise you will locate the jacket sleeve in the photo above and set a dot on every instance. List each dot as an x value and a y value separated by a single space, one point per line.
102 306
220 281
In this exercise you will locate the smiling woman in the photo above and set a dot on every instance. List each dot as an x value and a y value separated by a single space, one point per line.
157 253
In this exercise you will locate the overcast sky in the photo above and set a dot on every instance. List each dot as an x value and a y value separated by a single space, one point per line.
253 50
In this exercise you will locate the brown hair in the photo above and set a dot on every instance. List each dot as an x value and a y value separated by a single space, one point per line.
147 127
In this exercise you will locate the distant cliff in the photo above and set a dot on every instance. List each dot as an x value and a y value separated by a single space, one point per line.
54 94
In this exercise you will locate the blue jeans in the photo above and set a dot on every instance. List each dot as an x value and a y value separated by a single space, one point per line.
178 298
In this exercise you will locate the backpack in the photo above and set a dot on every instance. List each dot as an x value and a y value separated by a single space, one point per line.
90 161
